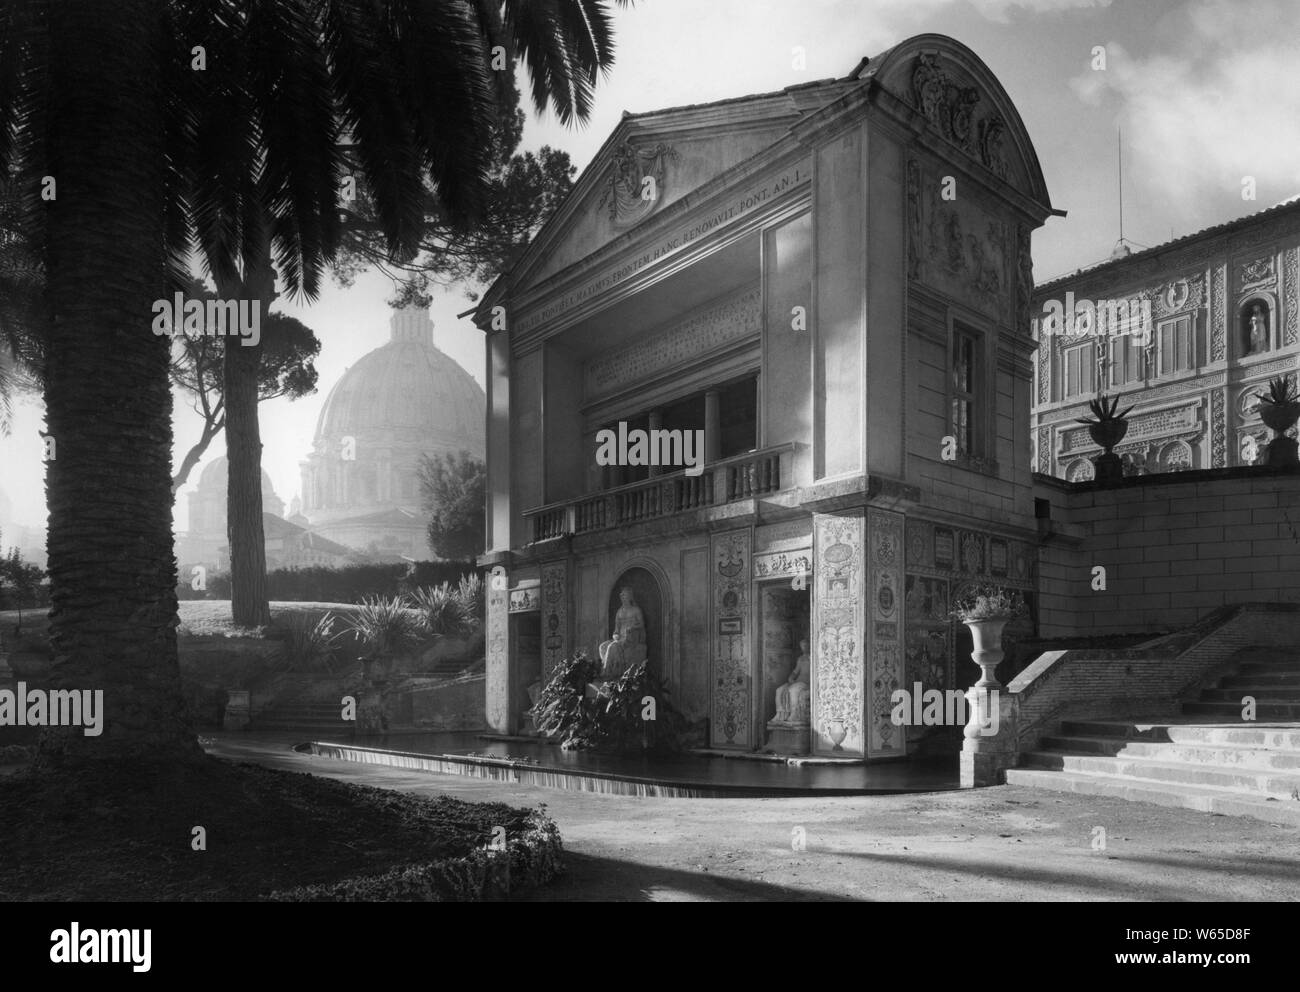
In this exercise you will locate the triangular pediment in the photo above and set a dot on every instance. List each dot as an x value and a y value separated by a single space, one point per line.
651 161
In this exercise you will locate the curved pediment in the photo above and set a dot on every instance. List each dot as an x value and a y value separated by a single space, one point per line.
964 105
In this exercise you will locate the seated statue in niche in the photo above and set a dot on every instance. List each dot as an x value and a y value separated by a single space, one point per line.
792 695
626 646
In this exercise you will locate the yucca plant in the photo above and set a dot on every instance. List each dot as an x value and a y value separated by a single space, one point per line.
442 611
309 644
385 627
473 596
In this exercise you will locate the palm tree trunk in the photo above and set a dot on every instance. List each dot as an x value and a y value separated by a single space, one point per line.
249 603
107 396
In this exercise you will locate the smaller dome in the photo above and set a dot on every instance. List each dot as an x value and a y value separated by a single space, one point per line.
216 474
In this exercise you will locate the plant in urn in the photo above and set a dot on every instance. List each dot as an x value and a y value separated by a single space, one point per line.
986 610
1279 410
1107 428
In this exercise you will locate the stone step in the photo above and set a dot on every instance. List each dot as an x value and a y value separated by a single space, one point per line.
1279 784
1222 755
1228 733
1262 694
1280 679
1203 799
1263 711
1266 667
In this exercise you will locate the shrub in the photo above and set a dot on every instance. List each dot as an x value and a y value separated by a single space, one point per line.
615 718
309 644
988 602
384 626
443 611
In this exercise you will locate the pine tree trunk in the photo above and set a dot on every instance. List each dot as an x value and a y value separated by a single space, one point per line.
107 397
249 604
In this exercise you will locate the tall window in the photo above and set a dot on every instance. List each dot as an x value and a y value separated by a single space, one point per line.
966 390
1125 360
1176 351
1081 369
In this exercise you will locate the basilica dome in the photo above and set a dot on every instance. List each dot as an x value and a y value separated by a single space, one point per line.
407 385
402 401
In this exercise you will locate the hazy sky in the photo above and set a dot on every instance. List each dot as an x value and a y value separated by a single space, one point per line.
1205 91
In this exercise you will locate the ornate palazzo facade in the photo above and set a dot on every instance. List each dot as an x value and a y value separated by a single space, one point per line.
833 283
1222 315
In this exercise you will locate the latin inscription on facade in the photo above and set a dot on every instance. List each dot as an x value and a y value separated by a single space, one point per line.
719 324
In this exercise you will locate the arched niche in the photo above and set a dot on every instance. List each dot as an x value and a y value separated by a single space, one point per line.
1256 318
649 594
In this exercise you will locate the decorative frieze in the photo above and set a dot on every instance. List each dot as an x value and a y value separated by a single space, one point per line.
719 324
782 563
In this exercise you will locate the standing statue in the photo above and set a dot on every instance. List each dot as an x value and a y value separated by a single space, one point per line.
792 695
626 646
1258 331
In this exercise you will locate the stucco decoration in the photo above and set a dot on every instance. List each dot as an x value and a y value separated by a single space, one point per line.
636 182
729 674
1079 470
1291 297
968 253
838 630
1219 314
1257 272
1218 430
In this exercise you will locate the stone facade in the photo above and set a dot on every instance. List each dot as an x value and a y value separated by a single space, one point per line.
819 268
1192 378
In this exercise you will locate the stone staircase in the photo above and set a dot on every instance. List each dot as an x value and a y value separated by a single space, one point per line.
297 715
1207 759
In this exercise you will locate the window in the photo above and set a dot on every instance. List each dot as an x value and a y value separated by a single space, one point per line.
1126 360
1176 351
1081 370
967 377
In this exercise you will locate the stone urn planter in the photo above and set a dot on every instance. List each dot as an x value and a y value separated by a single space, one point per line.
984 754
1279 409
1107 429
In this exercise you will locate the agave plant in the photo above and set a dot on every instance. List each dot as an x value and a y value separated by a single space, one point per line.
443 611
1279 410
1103 409
1281 392
385 627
